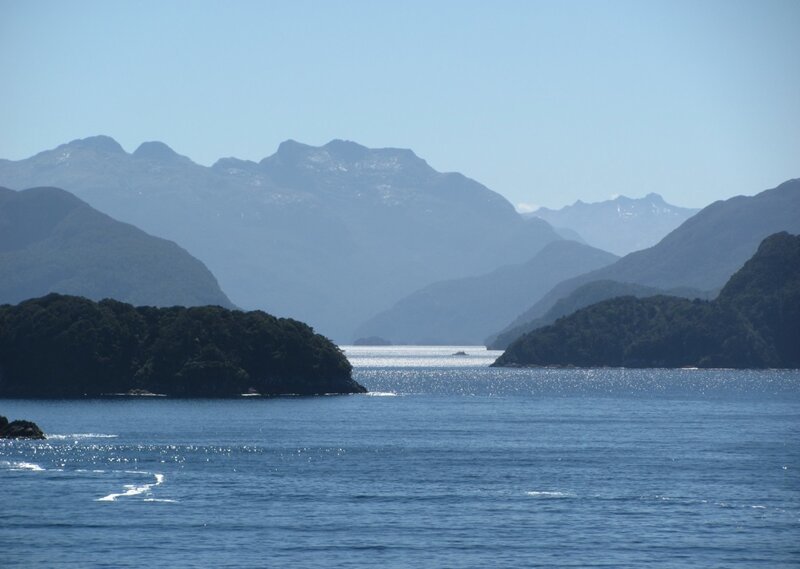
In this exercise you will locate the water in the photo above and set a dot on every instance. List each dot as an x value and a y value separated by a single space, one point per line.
447 463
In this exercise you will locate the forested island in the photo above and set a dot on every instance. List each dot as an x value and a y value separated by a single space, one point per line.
65 346
753 323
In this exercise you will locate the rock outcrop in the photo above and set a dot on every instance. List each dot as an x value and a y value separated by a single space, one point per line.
19 430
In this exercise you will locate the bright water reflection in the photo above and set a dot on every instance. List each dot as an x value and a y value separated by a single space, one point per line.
468 466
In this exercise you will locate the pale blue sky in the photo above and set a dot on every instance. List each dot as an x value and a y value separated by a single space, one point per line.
544 102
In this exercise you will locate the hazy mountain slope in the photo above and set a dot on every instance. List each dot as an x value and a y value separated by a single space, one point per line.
329 235
584 295
755 322
621 225
50 241
702 253
464 311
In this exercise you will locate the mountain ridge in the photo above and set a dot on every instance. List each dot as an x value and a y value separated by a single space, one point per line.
585 295
463 311
620 225
328 235
753 323
51 241
701 254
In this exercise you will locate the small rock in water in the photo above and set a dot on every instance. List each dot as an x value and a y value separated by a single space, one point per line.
19 430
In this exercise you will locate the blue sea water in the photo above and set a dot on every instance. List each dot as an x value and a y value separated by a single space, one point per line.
448 463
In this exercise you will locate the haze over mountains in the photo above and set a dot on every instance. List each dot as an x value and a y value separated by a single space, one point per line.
52 241
464 311
330 235
586 294
754 323
621 225
702 254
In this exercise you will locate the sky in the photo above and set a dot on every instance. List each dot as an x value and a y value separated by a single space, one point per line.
544 102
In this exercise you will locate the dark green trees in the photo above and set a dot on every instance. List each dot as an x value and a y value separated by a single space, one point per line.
755 322
63 346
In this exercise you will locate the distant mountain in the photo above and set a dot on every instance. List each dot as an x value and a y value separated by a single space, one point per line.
50 241
585 295
329 235
621 225
463 311
754 323
701 254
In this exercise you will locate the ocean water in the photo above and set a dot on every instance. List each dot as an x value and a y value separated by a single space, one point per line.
447 463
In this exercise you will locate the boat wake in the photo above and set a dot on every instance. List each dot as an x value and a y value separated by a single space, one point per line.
22 466
137 490
550 494
80 436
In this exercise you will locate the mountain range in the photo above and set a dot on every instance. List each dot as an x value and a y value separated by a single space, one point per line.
329 235
52 241
589 293
753 323
700 255
621 225
464 311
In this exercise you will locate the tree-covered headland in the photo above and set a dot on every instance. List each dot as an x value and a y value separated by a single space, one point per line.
753 323
66 346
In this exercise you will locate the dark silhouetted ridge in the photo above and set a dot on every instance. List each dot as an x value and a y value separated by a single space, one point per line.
754 323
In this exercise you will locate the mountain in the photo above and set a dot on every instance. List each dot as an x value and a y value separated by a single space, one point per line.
463 311
67 346
701 254
753 323
584 295
621 225
51 241
329 235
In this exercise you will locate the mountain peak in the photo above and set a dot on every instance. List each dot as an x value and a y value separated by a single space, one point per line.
100 143
619 224
342 156
346 150
233 163
291 147
654 197
155 150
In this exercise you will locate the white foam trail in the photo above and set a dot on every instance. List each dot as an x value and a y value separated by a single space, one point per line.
381 394
165 500
133 489
26 466
550 494
79 436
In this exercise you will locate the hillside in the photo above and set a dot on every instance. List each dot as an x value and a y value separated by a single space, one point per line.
329 235
66 346
584 295
50 241
621 225
463 311
754 323
701 254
